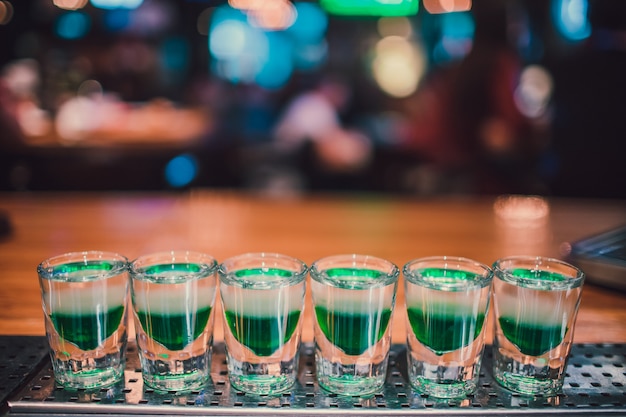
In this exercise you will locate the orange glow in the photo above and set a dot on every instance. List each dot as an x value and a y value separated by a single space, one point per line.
521 210
6 12
273 15
267 14
246 4
447 6
70 4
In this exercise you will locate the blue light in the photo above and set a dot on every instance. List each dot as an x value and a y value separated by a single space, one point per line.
116 4
73 25
308 34
310 25
457 32
570 18
116 20
240 50
276 70
181 170
458 25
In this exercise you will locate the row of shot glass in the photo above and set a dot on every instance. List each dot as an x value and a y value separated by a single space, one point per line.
447 302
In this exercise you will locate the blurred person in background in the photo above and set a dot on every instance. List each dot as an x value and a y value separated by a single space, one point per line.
467 132
310 130
589 124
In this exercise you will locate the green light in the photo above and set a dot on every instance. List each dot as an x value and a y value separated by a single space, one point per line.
370 7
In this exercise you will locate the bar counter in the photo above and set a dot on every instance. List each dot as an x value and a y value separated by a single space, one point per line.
308 227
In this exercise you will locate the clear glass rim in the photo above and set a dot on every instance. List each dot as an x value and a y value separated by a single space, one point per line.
228 268
575 276
46 269
452 263
388 270
138 267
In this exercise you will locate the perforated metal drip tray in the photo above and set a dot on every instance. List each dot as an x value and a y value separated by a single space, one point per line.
595 383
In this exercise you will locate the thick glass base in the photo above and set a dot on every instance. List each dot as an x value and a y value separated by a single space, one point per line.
526 378
176 375
88 373
267 378
262 384
351 379
443 388
450 375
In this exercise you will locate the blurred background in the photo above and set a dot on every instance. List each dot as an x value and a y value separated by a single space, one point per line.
428 97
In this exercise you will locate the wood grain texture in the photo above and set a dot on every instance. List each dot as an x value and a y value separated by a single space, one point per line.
309 227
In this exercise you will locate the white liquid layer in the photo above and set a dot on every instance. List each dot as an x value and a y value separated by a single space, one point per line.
458 301
351 300
263 302
535 307
87 298
173 299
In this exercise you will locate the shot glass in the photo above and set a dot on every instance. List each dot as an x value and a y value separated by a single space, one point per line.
353 297
173 295
535 304
262 299
447 302
84 300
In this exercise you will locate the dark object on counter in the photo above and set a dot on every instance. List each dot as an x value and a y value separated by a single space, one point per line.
602 257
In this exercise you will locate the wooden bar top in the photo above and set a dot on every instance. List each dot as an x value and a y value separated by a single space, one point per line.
308 227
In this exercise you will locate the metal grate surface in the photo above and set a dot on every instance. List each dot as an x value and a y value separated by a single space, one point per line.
20 357
595 383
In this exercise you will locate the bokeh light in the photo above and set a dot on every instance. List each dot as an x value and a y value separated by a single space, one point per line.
398 66
6 12
570 18
447 6
310 25
371 7
244 50
181 170
73 25
309 46
273 15
534 91
276 70
116 4
70 4
457 32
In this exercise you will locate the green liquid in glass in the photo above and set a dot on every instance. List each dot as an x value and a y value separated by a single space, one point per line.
277 272
84 266
87 331
445 332
538 274
173 267
262 335
353 333
445 328
353 272
175 331
532 339
456 274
